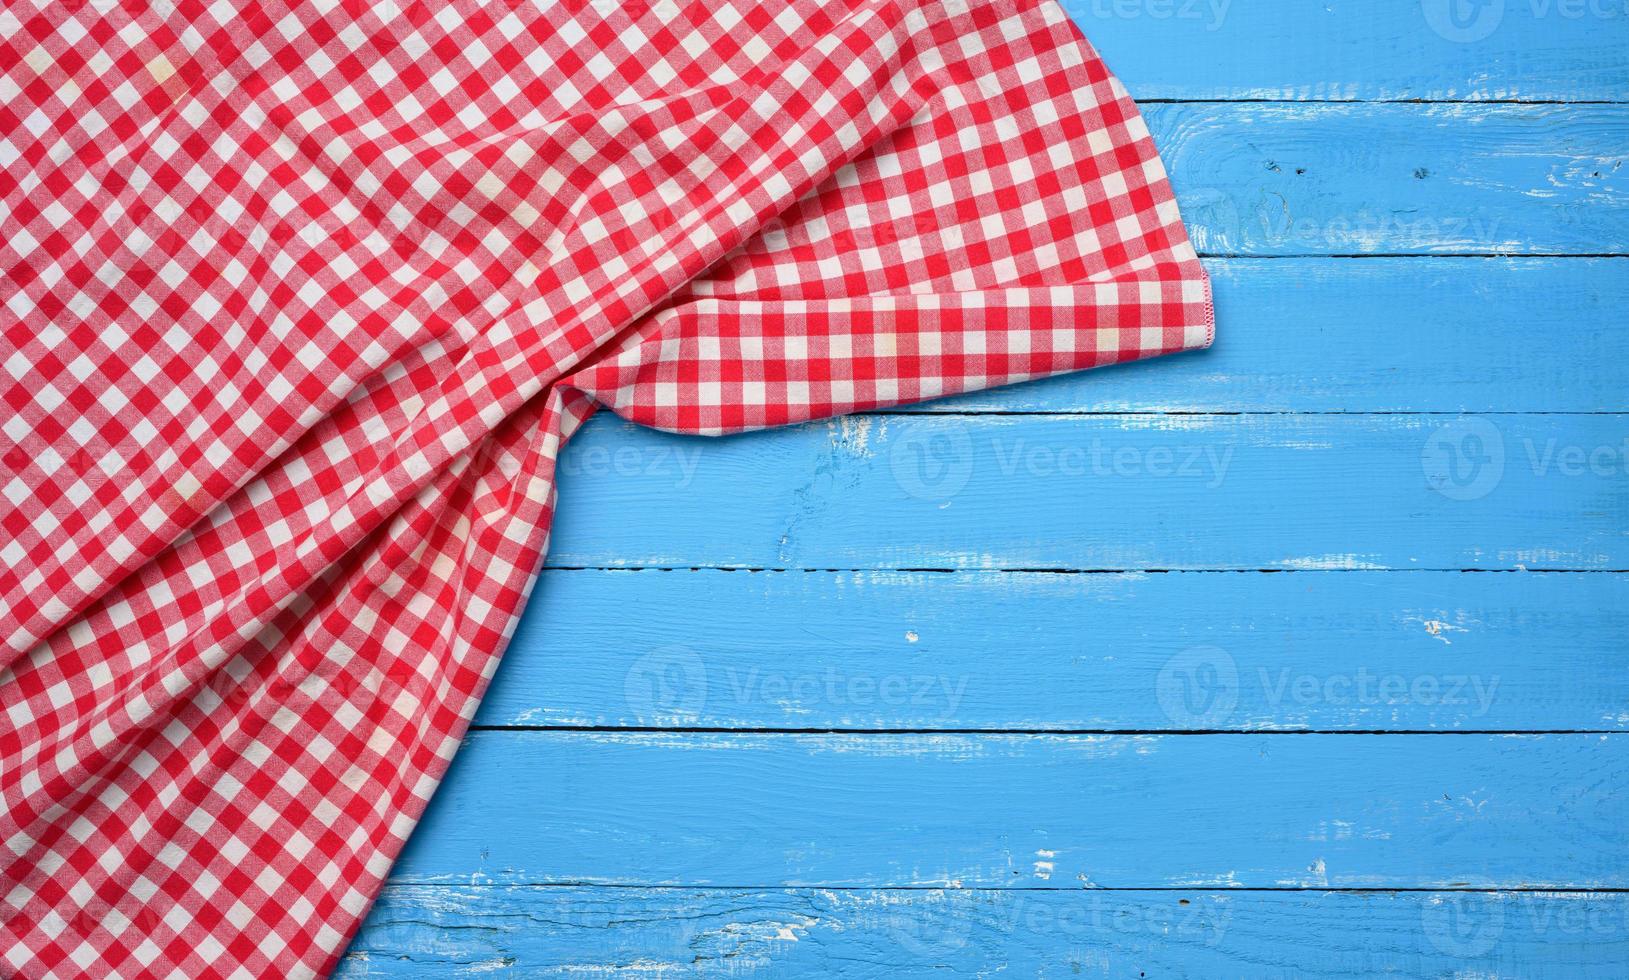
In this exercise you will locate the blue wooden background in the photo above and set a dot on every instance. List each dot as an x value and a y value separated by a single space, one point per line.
1304 656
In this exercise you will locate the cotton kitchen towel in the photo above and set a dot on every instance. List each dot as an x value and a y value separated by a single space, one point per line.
301 301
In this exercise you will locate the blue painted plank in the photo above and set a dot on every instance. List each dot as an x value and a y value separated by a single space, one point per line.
1560 50
1390 335
573 932
1182 651
1201 811
1342 179
1106 492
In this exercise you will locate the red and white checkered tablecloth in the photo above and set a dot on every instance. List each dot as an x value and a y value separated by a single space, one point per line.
299 301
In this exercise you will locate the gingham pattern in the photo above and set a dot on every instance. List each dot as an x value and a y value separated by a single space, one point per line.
301 301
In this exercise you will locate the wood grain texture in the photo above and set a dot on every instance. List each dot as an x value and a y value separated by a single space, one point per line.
1333 179
1374 49
1394 811
1105 492
894 650
881 934
1376 335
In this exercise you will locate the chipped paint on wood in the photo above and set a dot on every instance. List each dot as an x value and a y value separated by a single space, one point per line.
1042 651
878 810
1111 492
873 933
